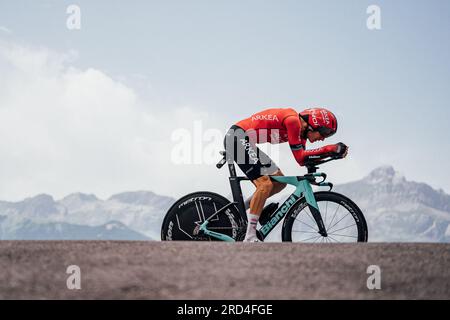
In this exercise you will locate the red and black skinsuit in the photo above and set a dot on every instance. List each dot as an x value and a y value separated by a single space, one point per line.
273 126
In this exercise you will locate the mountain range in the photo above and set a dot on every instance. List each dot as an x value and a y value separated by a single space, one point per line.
395 209
400 210
124 216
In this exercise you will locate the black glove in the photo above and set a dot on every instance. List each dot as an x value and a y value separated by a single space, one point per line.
341 148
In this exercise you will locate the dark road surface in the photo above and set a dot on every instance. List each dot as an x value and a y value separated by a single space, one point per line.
194 270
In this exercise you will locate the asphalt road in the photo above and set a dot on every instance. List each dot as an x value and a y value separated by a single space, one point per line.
194 270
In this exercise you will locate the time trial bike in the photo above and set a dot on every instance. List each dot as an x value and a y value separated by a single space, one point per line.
321 216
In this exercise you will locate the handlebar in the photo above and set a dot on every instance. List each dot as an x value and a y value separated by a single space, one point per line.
312 166
311 177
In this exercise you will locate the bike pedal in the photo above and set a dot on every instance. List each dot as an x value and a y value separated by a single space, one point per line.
197 231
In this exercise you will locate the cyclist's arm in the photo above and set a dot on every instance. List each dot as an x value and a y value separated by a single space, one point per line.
297 143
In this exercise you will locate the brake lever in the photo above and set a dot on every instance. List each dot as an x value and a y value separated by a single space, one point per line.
323 176
326 184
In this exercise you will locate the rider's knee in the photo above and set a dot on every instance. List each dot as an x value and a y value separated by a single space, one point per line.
264 190
264 185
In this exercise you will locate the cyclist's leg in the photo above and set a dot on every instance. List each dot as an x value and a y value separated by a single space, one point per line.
246 155
257 167
264 188
270 168
255 164
237 152
277 186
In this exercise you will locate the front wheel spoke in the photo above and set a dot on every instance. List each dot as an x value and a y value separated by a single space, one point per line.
311 238
304 231
342 228
343 235
338 221
334 216
333 239
307 225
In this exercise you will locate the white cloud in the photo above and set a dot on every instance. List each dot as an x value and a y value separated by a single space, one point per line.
5 30
63 130
66 130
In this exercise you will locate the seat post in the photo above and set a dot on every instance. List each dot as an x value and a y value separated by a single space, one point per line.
230 161
235 184
232 169
236 190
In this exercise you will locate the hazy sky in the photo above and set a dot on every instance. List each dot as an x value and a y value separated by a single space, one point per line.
93 110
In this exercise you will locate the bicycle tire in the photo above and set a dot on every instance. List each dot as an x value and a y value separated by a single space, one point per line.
185 215
301 208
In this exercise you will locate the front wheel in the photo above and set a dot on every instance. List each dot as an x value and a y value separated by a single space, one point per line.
343 220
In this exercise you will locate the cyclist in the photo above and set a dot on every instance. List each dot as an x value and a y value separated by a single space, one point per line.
275 126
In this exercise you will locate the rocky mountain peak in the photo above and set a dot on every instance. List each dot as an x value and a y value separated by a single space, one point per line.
77 200
42 204
40 198
140 198
385 175
81 197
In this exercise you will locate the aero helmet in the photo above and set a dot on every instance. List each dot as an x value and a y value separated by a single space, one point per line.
321 120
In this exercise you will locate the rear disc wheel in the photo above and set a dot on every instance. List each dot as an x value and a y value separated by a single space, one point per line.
184 218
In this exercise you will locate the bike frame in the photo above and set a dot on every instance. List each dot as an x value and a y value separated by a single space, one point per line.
303 189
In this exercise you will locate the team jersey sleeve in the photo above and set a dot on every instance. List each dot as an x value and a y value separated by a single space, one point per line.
297 143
